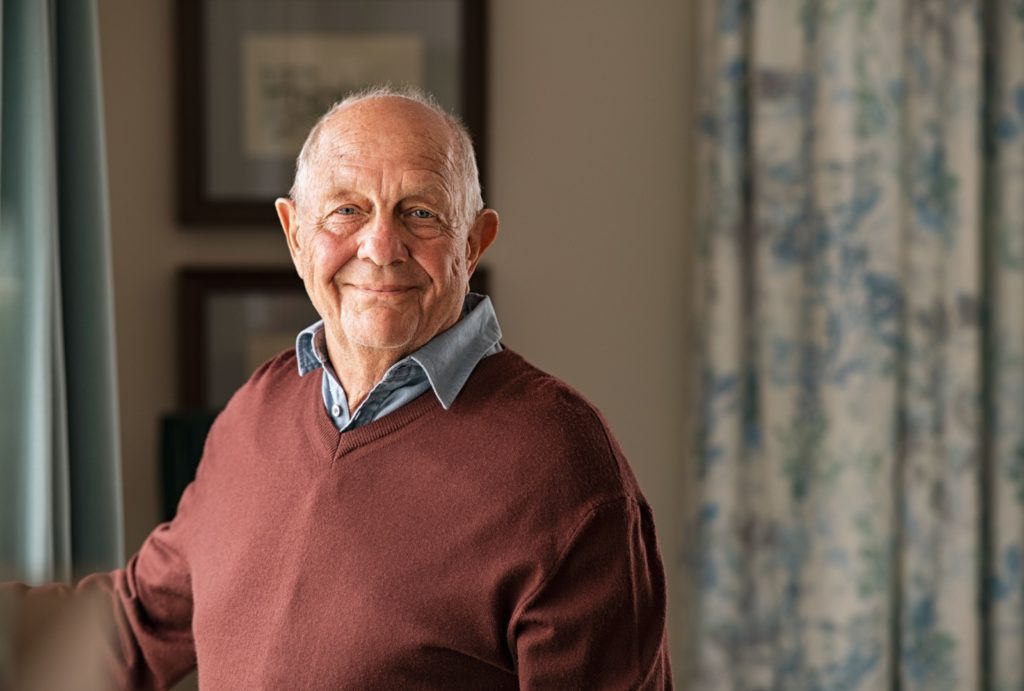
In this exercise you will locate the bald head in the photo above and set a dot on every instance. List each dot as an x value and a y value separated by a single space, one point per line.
403 113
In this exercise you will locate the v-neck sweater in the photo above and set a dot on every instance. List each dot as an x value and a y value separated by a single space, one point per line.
500 544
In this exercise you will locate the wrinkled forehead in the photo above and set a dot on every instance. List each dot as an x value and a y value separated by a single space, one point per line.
407 153
387 132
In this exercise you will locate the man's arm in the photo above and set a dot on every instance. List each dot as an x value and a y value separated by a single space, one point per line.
598 620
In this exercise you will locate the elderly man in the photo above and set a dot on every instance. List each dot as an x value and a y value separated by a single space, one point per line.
401 502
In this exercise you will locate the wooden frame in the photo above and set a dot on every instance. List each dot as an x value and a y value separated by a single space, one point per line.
261 302
232 158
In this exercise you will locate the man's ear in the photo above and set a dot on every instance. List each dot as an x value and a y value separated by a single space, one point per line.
481 235
289 217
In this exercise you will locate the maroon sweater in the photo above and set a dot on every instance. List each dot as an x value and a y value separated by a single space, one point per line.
501 544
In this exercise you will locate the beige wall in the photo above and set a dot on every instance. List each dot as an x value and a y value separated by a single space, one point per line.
590 110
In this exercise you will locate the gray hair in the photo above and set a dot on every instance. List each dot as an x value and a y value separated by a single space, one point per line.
464 157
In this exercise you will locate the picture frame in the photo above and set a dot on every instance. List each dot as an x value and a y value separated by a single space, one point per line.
230 320
253 77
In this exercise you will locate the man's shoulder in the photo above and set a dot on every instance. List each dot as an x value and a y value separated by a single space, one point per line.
285 361
274 377
509 379
274 385
274 415
508 373
542 419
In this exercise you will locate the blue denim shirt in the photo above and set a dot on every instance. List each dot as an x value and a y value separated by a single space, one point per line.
444 364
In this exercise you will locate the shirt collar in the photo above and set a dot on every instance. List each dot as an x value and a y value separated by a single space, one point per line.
450 357
307 352
447 360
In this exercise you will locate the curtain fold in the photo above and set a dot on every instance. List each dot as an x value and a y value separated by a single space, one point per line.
861 443
1003 482
60 495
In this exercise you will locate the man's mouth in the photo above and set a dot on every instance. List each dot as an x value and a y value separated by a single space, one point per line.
383 289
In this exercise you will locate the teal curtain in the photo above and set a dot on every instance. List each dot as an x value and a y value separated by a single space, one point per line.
60 494
860 521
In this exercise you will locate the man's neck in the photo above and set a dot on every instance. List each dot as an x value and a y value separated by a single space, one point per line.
359 369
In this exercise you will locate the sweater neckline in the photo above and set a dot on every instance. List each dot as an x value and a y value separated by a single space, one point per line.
336 444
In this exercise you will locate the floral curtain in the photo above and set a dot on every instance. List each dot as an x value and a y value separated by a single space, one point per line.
860 521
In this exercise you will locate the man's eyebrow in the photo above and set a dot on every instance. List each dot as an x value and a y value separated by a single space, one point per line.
427 190
333 193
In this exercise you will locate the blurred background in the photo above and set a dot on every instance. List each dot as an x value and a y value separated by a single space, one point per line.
780 245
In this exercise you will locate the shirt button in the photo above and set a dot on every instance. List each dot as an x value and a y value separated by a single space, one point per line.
336 410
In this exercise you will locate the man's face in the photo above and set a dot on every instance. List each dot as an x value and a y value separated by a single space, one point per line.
378 235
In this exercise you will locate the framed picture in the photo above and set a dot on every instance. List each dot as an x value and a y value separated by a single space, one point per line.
253 77
229 322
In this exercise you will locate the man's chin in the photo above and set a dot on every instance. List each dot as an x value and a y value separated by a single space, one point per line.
394 337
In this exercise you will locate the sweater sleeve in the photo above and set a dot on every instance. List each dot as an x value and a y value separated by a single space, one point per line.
131 627
598 620
151 601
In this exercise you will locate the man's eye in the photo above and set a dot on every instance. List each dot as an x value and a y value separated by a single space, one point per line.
347 211
422 214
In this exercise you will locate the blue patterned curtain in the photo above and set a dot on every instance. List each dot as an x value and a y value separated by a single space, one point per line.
860 522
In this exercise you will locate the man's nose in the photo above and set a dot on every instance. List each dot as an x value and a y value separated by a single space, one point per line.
383 241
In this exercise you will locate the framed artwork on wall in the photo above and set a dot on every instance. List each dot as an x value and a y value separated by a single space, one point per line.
229 322
254 76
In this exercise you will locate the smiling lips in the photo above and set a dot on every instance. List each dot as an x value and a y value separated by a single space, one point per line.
383 290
